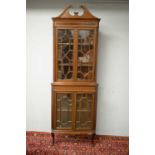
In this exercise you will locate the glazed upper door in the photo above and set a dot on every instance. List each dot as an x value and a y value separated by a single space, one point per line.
75 58
65 46
85 63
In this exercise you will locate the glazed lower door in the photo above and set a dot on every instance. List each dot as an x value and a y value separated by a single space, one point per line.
84 111
64 102
80 105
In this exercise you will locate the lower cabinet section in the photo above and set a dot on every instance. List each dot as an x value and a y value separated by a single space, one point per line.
74 111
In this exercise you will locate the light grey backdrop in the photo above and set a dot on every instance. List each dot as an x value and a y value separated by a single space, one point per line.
112 71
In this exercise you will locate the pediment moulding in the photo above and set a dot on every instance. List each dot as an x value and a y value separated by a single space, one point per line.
76 13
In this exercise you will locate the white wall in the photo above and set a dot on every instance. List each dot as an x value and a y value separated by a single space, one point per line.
112 111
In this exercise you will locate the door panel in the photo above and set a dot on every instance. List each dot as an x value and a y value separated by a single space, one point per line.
65 46
85 54
84 112
64 110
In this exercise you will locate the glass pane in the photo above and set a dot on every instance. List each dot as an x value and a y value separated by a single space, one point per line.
65 54
84 111
64 111
85 54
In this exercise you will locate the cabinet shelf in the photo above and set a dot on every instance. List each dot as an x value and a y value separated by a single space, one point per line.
71 110
65 43
86 44
85 64
79 65
64 110
60 121
65 64
84 110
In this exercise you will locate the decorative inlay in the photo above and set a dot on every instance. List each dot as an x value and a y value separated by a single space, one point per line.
75 23
75 89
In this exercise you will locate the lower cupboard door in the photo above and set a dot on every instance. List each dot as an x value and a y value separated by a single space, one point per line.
84 111
64 110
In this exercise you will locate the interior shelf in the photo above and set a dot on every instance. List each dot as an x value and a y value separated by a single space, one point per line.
85 64
64 110
65 64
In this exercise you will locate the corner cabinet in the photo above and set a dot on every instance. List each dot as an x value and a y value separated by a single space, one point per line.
74 84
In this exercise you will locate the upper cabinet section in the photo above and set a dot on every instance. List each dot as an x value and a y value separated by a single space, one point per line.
75 45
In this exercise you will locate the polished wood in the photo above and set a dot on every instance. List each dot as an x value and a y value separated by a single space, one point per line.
74 74
66 14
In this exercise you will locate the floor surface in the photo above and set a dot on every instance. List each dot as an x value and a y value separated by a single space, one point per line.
40 143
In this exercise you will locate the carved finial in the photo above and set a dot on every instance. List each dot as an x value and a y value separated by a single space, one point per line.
76 13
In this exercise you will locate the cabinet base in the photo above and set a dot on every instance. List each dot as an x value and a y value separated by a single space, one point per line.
73 136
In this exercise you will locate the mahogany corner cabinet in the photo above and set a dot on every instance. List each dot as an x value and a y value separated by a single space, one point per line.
74 87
